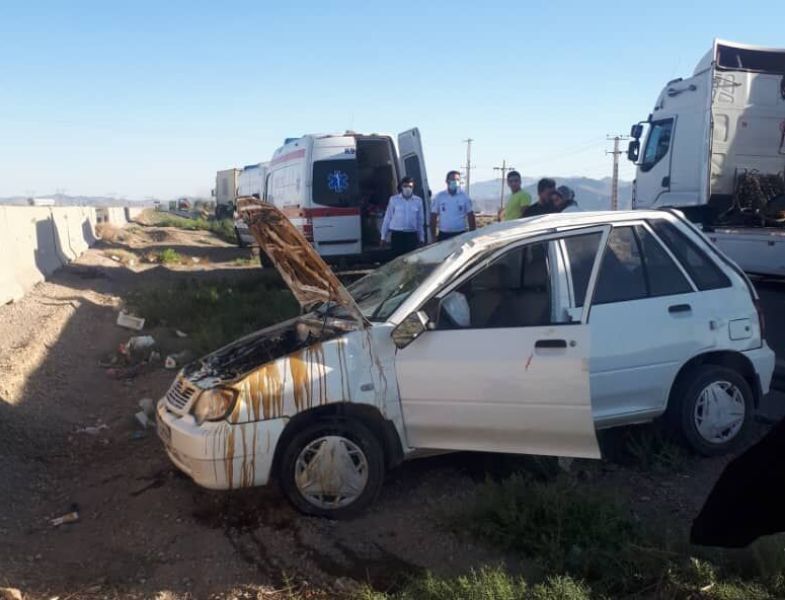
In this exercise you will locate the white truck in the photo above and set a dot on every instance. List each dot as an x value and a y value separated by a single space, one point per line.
250 183
225 192
715 149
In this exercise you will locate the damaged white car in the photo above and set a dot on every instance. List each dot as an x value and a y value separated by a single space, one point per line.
522 337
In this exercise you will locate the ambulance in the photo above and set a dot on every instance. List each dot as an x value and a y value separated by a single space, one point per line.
335 187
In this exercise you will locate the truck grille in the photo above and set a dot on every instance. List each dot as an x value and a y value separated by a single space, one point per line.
180 394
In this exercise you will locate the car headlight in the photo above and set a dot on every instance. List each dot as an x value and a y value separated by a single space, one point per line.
214 404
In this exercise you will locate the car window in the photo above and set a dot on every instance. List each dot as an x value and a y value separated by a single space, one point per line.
512 291
662 274
621 275
703 271
581 254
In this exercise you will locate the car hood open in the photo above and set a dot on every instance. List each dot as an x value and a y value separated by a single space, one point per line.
309 278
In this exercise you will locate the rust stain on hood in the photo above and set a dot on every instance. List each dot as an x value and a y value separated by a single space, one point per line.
309 278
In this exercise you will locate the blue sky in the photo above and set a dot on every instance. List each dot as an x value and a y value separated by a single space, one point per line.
146 99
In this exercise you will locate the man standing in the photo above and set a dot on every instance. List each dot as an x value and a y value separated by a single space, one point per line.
544 205
564 200
519 199
404 221
451 210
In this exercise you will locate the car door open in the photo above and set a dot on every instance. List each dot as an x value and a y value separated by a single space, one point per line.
503 365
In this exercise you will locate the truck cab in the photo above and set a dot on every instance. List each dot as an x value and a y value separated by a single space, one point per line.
705 131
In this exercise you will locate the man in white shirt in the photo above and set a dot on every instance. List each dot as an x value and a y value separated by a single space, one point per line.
404 221
451 210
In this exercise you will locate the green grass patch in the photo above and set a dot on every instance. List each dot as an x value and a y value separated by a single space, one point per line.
557 523
484 584
217 312
169 256
223 229
572 529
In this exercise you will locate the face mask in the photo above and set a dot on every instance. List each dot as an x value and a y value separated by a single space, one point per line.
407 192
452 185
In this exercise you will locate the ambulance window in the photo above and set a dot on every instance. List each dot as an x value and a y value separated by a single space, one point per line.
657 144
335 183
411 164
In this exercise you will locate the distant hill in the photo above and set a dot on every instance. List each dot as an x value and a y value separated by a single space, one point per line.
591 194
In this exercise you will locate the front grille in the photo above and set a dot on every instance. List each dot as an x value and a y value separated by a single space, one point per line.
180 394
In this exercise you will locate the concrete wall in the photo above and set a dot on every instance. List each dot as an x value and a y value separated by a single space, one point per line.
36 241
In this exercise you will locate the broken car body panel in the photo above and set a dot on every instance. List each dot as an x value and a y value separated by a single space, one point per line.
309 278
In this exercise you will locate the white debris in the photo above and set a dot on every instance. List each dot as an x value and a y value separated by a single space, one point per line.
141 418
148 406
93 430
129 321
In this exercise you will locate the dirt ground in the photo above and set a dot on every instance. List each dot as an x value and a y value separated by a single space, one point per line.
144 529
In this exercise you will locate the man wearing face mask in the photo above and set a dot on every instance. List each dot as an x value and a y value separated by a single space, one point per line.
451 210
404 221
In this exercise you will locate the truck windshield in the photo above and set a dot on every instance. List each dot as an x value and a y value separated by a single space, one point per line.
380 293
335 183
657 144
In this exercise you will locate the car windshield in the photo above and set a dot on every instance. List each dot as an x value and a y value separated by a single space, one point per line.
379 293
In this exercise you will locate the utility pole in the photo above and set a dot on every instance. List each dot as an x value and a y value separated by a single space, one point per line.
615 182
504 168
468 186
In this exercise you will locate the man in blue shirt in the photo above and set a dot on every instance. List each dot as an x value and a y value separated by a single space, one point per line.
404 221
451 210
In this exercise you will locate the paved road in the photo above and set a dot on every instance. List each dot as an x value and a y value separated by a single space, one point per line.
772 294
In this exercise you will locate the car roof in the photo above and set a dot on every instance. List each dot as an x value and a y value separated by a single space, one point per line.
507 231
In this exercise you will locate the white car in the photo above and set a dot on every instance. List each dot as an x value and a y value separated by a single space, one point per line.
522 337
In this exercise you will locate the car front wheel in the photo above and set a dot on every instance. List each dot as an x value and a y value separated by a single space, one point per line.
712 406
332 469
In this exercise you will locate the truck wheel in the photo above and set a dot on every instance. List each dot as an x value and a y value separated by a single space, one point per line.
712 408
240 241
332 469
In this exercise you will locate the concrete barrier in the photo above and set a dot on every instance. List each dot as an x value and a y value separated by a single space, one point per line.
35 241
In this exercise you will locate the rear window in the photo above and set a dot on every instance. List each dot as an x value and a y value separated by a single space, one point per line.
622 277
703 271
335 183
663 276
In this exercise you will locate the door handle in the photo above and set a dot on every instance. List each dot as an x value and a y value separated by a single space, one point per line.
666 181
679 308
550 344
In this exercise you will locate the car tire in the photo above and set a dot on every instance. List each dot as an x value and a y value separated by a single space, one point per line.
359 469
712 409
240 242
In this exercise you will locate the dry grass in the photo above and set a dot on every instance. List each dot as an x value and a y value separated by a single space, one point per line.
107 231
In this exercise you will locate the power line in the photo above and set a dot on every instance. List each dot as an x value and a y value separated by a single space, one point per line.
504 168
468 142
615 183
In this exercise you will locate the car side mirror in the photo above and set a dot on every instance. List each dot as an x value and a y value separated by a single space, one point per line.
633 150
410 329
636 131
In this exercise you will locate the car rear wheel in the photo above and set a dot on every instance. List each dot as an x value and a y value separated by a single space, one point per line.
332 469
712 407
